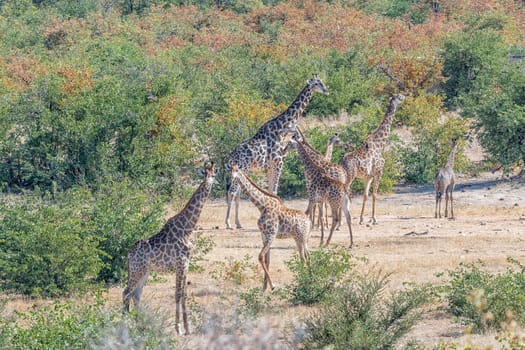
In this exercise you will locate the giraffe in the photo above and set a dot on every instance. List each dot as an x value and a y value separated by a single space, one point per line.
332 141
323 187
367 162
276 221
169 249
265 150
334 171
444 182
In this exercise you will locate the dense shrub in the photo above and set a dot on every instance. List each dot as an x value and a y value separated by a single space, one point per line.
119 215
93 324
315 281
359 316
57 246
484 300
46 249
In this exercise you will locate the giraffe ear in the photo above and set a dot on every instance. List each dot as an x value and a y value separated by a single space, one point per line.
201 172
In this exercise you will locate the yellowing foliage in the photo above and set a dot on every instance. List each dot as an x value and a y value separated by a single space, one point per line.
244 110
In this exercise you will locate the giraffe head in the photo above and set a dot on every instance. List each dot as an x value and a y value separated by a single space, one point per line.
209 172
297 137
234 170
336 141
396 99
317 85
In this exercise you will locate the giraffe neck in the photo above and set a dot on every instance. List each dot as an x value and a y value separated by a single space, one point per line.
188 217
309 165
312 152
380 136
451 157
298 105
329 151
260 198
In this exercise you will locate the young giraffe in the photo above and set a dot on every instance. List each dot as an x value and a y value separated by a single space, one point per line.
367 162
170 248
335 171
333 141
324 188
444 182
265 150
276 221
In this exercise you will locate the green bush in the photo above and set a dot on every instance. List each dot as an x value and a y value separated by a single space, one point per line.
57 246
202 245
484 300
93 325
234 270
254 302
359 316
315 281
45 248
119 215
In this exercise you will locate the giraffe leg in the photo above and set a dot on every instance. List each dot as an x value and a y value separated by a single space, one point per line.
274 174
183 304
335 220
312 215
346 209
179 298
229 200
438 194
268 238
136 295
439 207
451 206
267 260
446 202
133 290
321 209
302 249
340 221
375 188
365 197
237 203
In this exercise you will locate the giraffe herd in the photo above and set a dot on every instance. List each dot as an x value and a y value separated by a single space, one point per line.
326 182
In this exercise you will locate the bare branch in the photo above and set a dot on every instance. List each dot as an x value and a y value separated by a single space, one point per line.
386 71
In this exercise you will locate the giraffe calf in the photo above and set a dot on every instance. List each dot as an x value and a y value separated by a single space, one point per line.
276 221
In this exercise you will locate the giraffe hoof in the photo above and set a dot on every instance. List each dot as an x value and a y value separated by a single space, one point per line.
238 227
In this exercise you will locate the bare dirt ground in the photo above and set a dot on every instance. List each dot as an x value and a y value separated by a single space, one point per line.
408 242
